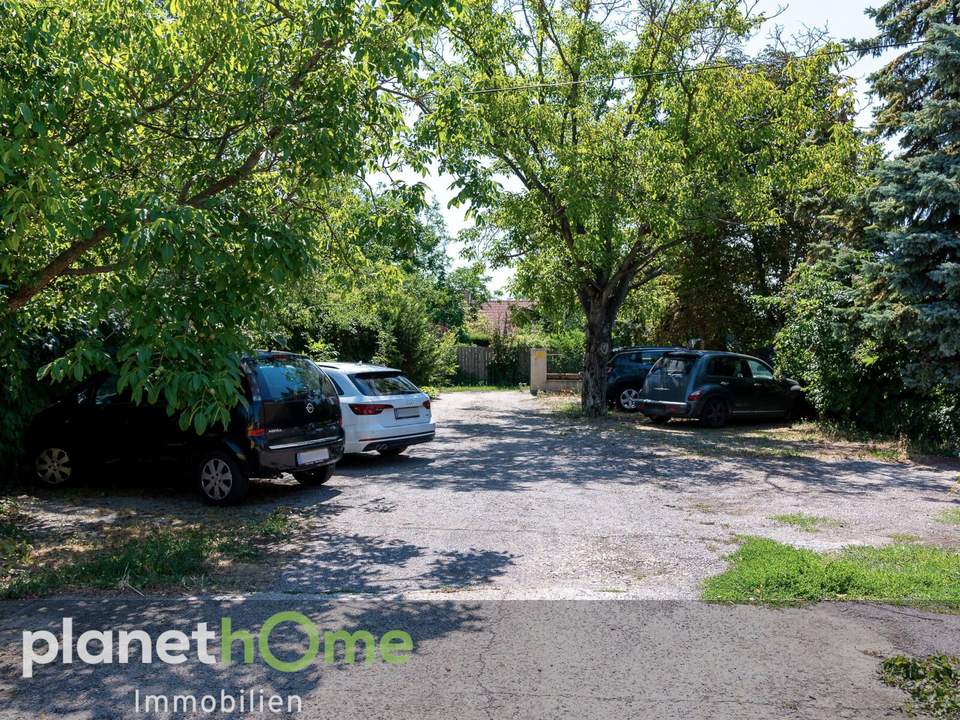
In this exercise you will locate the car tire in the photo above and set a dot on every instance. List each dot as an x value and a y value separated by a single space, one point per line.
220 478
392 452
315 477
628 399
54 465
715 413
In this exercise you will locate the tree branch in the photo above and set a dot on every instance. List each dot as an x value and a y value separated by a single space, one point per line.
67 257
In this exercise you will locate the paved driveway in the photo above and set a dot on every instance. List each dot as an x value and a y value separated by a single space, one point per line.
546 568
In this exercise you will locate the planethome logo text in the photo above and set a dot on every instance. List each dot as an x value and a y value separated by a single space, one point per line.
174 647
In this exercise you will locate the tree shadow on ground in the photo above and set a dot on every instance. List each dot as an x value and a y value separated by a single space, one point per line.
516 452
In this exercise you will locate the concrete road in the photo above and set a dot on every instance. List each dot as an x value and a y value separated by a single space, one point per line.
543 568
491 659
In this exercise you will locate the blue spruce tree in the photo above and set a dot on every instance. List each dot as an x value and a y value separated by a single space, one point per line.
916 201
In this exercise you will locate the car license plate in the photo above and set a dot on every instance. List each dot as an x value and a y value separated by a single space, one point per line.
312 456
407 412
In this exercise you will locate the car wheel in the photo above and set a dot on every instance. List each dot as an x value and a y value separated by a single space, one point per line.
222 481
54 466
628 399
392 452
315 477
715 413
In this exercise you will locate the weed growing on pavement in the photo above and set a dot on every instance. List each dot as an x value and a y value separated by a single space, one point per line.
767 572
14 545
807 523
933 683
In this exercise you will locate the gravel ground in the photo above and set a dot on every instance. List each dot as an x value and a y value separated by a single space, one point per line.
515 501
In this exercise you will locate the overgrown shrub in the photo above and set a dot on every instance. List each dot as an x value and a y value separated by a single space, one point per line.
852 368
409 341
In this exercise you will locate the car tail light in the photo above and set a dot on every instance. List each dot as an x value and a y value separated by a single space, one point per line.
361 409
426 404
254 431
694 396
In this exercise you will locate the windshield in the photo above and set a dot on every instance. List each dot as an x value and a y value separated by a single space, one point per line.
384 383
290 378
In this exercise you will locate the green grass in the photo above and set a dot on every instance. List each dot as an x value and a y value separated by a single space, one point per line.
807 523
157 558
933 683
14 543
767 572
162 558
479 388
951 516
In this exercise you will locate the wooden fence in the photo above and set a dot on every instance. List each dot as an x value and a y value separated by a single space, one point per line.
480 366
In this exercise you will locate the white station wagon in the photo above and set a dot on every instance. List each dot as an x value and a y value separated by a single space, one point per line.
382 410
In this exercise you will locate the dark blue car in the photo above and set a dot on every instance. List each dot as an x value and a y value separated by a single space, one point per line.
626 372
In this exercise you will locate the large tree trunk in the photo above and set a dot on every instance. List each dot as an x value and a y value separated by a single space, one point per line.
600 317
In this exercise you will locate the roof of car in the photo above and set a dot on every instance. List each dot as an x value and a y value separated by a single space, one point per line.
266 354
354 367
712 353
617 351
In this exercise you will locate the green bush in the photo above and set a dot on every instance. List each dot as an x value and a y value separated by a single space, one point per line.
409 341
565 346
851 368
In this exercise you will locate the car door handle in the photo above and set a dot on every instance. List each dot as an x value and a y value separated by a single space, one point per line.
724 382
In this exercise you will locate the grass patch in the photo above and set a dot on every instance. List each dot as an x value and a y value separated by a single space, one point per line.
14 544
479 388
767 572
144 557
951 516
933 683
807 523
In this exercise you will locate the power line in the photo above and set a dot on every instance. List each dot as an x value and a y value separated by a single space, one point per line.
653 74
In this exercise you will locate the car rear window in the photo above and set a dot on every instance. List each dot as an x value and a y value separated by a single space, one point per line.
676 365
384 383
289 378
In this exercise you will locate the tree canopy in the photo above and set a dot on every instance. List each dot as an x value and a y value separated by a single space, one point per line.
164 166
627 135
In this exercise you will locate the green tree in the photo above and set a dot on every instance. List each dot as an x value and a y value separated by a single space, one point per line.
624 134
385 295
916 200
167 164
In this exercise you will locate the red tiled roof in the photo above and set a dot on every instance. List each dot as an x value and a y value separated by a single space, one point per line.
499 313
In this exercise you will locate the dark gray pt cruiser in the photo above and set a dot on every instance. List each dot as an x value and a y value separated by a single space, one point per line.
714 387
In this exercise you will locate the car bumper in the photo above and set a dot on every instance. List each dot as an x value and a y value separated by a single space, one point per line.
654 408
287 458
399 437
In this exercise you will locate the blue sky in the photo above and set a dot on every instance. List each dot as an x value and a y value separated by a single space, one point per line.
843 19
